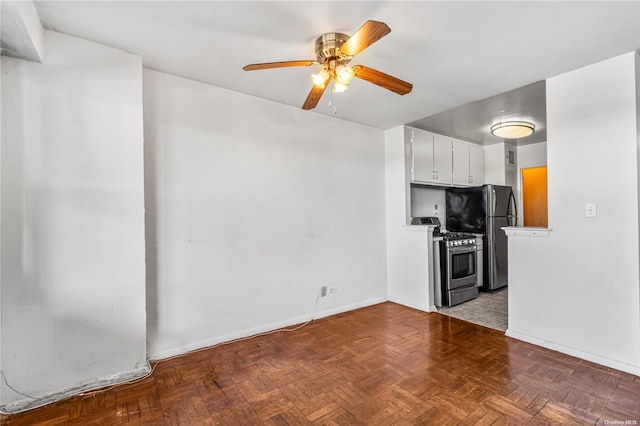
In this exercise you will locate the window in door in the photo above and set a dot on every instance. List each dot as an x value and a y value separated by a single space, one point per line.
534 196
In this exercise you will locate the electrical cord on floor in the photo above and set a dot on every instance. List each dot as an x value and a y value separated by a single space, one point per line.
4 378
152 368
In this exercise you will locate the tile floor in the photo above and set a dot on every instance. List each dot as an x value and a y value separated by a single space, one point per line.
489 309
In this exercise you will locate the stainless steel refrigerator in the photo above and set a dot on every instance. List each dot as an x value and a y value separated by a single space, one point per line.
485 210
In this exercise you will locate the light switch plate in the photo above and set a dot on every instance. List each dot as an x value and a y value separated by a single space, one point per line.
591 210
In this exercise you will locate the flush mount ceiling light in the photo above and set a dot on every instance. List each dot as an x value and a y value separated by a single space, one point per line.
513 129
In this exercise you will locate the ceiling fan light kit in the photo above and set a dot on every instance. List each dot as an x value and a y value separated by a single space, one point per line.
513 129
334 51
320 78
344 74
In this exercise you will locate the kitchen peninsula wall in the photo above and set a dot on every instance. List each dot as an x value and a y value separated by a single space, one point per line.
585 301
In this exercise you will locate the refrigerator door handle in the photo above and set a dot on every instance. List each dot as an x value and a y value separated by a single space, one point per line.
515 206
495 201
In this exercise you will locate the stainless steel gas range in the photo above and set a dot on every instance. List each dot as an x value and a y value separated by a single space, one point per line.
460 272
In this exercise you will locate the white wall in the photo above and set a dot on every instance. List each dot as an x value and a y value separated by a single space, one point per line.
252 206
494 164
532 155
73 271
578 290
1 149
424 201
409 254
496 169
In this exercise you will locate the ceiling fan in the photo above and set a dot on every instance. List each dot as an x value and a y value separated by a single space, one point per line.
334 51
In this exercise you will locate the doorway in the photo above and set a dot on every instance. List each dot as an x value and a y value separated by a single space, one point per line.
534 197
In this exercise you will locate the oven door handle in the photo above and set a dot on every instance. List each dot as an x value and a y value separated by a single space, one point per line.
462 249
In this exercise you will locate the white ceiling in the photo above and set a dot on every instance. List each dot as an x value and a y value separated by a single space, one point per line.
454 53
472 121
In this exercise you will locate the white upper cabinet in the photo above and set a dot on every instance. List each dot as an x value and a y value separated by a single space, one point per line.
431 159
460 163
441 160
421 156
476 164
468 163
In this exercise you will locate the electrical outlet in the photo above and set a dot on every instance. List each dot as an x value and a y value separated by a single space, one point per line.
323 291
333 290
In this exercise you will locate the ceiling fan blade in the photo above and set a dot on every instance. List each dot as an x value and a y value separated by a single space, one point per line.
383 80
267 65
366 35
314 95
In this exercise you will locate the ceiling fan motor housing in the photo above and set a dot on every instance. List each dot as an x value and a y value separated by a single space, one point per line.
328 48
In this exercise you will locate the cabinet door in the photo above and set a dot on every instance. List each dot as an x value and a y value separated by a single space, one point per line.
461 163
442 160
476 164
422 156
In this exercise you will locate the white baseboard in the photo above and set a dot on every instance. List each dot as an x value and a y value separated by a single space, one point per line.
351 307
421 307
154 356
587 356
91 385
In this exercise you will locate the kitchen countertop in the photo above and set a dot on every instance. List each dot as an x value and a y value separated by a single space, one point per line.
526 231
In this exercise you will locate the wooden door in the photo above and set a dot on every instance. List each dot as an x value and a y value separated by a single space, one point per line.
534 196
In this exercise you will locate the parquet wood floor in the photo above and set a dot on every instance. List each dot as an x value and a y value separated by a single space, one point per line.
381 365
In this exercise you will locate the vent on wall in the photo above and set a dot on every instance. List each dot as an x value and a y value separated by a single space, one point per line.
511 157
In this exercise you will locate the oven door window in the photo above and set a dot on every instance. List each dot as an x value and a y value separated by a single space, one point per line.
463 265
